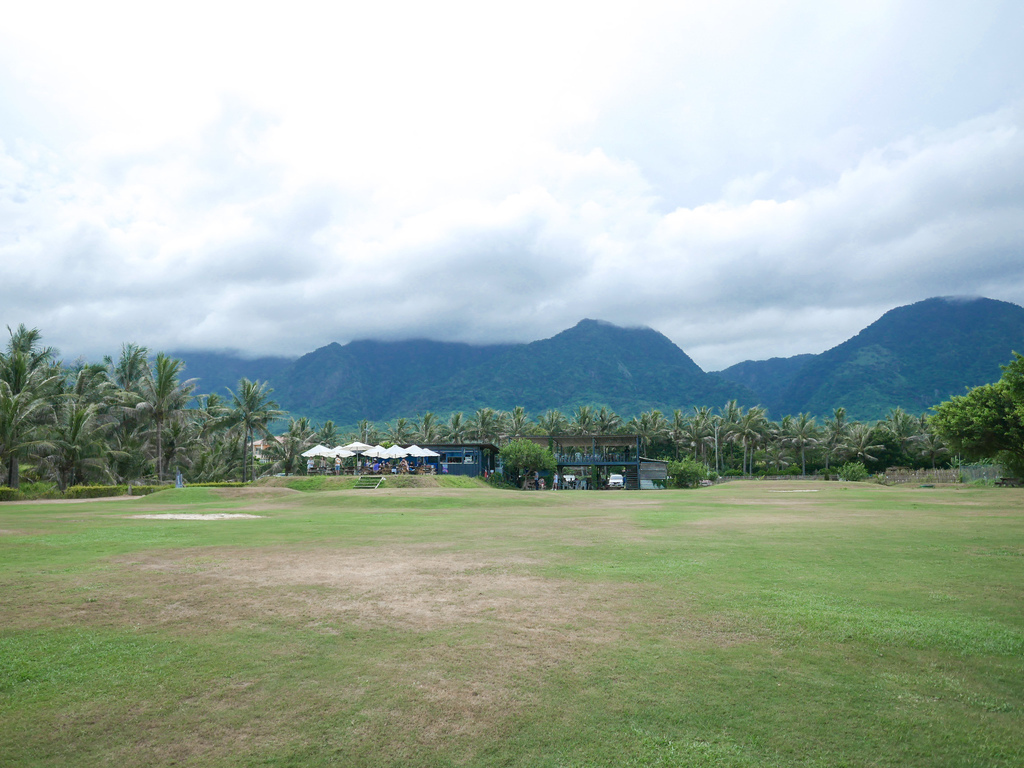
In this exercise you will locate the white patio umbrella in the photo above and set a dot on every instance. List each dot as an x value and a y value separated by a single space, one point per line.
427 453
357 447
341 453
317 450
376 452
395 452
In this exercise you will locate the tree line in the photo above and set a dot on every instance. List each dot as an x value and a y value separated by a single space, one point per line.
135 418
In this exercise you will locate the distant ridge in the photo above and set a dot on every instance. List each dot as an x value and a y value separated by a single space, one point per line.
914 357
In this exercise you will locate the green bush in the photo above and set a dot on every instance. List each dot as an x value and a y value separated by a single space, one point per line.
853 471
686 473
95 491
9 494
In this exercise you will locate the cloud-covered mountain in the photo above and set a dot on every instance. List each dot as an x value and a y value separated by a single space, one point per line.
914 356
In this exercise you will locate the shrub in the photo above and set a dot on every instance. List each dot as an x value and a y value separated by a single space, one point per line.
686 473
853 471
94 491
9 494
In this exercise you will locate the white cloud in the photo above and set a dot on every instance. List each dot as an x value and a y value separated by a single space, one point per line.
750 180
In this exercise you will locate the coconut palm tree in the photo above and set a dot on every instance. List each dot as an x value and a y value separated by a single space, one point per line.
366 432
837 429
327 434
252 410
748 432
428 430
582 422
401 431
858 443
553 422
163 398
902 428
607 421
486 425
29 378
456 428
519 423
802 432
285 451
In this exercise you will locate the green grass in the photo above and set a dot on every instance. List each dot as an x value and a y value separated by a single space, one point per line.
460 625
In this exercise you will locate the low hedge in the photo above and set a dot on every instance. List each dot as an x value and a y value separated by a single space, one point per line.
9 494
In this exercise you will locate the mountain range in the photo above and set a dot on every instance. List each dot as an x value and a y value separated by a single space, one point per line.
913 357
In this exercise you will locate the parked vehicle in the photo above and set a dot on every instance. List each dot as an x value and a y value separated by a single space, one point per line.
616 481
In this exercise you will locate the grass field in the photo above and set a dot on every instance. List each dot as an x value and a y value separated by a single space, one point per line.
750 624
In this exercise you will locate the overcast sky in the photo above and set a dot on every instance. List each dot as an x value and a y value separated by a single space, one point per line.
752 179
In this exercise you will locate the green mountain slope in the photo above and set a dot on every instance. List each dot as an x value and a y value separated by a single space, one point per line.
594 363
768 378
913 356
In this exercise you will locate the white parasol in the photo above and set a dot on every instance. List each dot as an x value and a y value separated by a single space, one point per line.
317 450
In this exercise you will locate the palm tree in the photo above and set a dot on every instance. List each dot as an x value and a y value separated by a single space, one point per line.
327 434
650 426
930 446
486 425
553 422
858 443
286 450
28 379
607 421
749 431
163 398
21 421
582 422
252 410
902 428
803 432
428 430
131 368
518 422
836 431
400 432
366 432
456 428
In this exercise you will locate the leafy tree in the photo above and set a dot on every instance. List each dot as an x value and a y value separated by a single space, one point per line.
522 457
988 422
687 473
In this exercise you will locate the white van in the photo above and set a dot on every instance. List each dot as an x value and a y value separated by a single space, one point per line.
616 481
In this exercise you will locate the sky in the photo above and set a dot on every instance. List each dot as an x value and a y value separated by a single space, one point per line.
752 179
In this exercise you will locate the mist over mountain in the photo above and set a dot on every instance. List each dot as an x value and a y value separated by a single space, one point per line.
914 357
